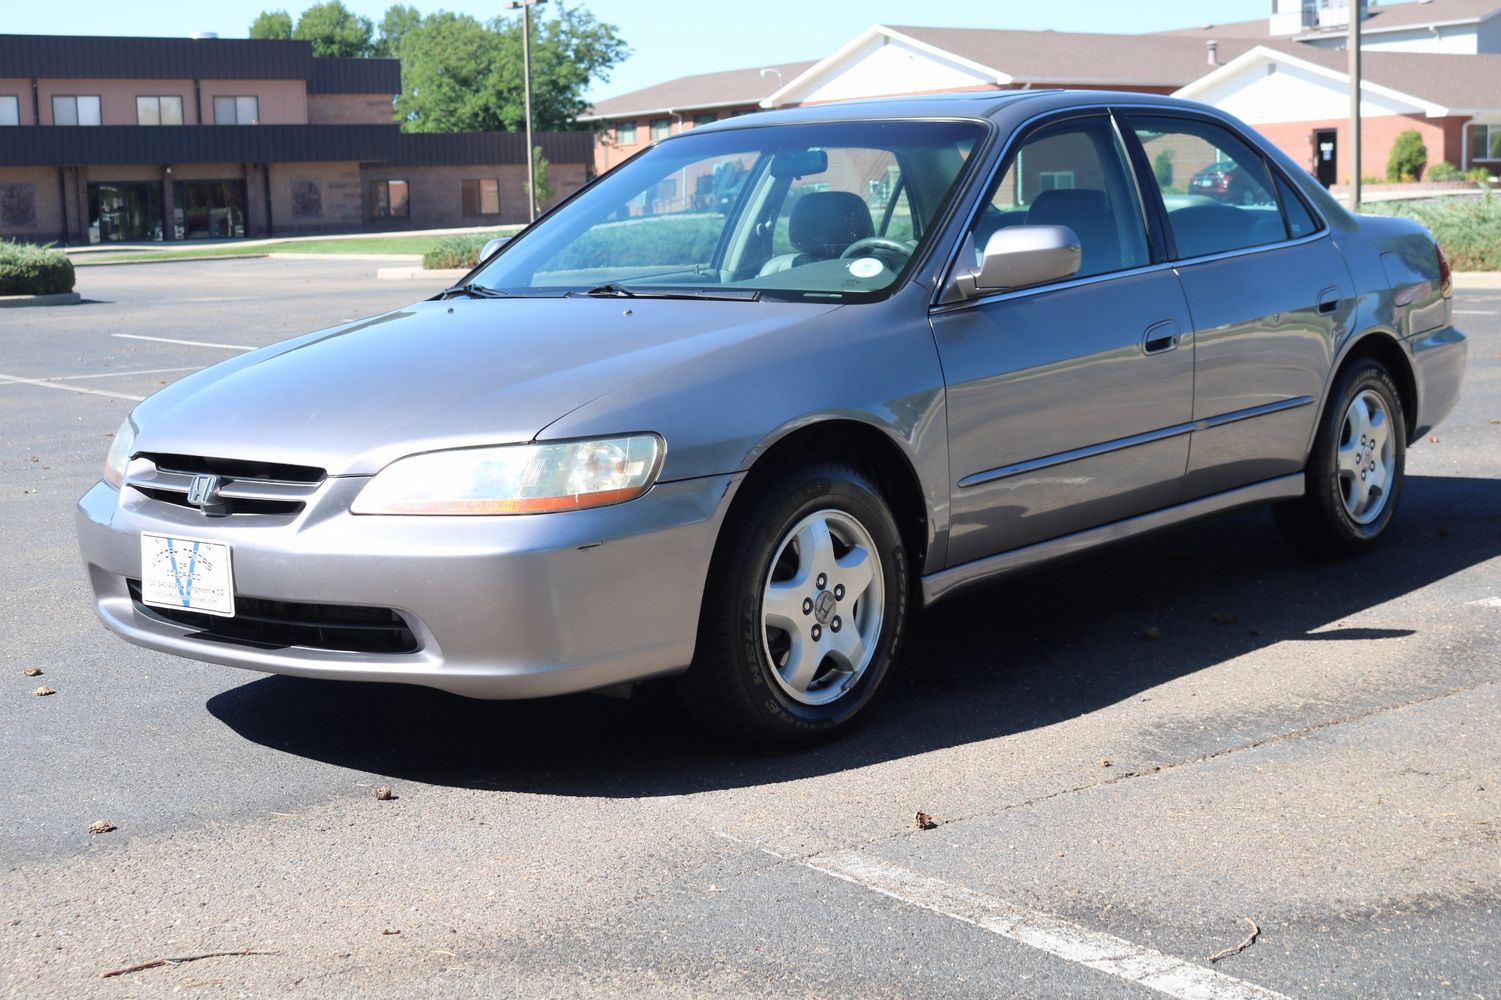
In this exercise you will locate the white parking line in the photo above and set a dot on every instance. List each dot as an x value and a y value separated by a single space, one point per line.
140 371
1474 312
1106 953
17 380
1486 602
185 343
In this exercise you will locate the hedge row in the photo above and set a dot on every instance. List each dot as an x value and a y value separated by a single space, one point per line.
27 269
456 251
1469 229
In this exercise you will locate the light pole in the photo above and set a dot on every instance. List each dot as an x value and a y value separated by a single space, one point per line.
525 6
1354 45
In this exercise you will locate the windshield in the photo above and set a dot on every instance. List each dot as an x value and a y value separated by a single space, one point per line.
828 212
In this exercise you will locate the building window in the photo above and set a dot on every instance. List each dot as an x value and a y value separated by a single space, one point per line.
625 133
237 111
158 110
388 200
1485 142
705 119
80 110
482 197
660 129
10 109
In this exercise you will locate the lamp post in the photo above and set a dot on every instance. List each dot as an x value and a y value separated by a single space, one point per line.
1354 46
525 6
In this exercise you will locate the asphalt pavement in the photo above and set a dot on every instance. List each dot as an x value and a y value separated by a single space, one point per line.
1307 749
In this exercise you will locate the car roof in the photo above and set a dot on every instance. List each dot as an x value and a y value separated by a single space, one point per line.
997 105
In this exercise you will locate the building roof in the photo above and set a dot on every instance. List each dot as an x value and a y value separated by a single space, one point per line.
1446 83
1054 58
1387 17
728 88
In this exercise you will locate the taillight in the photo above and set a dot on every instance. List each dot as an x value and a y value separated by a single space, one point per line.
1445 275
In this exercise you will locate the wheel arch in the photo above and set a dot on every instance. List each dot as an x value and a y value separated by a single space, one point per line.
1383 346
875 450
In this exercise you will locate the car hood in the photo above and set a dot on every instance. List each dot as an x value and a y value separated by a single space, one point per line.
458 373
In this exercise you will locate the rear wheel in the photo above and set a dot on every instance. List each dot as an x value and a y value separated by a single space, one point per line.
1354 476
805 606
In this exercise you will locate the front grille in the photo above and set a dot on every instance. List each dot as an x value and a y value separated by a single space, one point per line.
244 487
280 624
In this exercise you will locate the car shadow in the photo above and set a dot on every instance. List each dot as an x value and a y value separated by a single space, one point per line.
1018 655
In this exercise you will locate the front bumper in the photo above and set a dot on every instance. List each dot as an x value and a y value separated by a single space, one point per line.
502 607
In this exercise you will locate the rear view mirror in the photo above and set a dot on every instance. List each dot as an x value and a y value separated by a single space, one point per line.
490 247
800 163
1020 257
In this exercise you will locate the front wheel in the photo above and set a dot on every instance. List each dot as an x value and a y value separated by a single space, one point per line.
1354 476
805 606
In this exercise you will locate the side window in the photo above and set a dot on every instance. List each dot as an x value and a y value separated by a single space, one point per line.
1299 221
1072 174
1216 189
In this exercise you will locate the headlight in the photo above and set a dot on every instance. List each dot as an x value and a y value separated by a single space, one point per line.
119 453
516 479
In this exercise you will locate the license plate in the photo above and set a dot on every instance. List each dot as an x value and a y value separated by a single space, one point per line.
186 573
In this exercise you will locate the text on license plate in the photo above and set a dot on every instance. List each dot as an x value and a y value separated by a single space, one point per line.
186 573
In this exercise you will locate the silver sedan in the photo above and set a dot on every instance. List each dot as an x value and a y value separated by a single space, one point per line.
743 405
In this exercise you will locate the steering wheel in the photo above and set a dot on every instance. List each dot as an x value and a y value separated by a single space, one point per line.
879 245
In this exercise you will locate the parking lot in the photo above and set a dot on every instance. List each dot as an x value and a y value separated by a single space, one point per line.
1130 759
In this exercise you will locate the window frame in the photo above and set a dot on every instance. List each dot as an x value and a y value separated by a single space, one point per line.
159 98
479 197
236 99
75 98
1482 153
16 100
388 214
651 129
1152 195
620 139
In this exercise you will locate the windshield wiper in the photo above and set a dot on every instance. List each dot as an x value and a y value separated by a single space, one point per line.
474 291
613 290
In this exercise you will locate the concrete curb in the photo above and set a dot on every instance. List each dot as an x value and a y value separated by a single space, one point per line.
373 258
1477 279
59 299
410 273
169 260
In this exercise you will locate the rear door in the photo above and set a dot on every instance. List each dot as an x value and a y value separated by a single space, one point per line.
1068 404
1267 289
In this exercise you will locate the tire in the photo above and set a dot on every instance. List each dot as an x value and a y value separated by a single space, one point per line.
758 683
1339 514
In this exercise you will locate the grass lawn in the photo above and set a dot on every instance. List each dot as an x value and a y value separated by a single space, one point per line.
380 245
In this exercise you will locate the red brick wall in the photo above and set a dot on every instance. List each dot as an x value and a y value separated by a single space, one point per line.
1440 135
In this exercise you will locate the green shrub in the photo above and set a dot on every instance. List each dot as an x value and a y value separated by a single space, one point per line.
1480 175
455 251
1408 157
1443 170
1162 169
1469 229
646 240
27 269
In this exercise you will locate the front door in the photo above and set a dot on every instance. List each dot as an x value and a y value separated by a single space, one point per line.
1326 156
1069 405
1269 295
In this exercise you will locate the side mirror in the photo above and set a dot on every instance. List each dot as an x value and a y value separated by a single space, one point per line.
491 246
1020 257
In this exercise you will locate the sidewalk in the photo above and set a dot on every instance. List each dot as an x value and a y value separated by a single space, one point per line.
165 246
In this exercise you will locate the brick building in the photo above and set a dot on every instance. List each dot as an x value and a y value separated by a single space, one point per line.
105 139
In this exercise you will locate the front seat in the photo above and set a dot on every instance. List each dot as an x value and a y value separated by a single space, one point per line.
1087 212
823 225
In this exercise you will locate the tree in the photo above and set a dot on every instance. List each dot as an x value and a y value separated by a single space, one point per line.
398 22
1162 169
459 75
1408 157
272 24
335 31
544 182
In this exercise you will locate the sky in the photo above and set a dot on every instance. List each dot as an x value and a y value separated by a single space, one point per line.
668 38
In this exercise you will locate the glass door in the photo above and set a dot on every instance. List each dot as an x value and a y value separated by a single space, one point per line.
124 211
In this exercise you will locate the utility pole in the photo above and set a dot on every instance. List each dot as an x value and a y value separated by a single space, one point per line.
525 6
1354 46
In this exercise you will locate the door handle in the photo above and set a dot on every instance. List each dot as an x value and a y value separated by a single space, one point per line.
1329 300
1161 338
